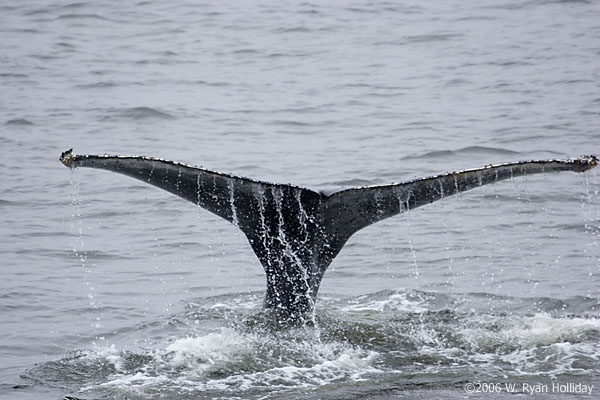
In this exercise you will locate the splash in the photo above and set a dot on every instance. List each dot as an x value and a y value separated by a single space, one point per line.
366 341
231 362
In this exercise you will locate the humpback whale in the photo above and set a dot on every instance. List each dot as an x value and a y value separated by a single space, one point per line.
296 232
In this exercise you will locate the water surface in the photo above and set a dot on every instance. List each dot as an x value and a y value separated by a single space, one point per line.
112 289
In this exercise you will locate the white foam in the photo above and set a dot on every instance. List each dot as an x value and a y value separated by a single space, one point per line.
525 332
110 354
200 353
394 302
138 379
238 304
557 359
189 363
537 345
348 364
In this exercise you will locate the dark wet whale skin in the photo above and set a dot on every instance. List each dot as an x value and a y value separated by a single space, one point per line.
295 232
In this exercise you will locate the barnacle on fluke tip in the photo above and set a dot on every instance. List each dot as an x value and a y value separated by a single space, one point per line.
67 158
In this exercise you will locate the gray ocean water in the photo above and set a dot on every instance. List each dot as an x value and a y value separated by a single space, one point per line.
111 289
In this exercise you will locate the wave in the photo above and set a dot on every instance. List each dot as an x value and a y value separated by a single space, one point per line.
442 37
19 122
82 16
140 114
99 85
12 75
294 29
465 151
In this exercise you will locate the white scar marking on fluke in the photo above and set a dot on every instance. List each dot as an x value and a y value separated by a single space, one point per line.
302 217
178 181
456 185
198 189
234 215
278 197
260 196
378 196
214 192
151 172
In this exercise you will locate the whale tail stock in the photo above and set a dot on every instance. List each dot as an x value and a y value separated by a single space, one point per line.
297 232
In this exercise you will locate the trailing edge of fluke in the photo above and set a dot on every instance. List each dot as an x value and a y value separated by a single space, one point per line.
295 232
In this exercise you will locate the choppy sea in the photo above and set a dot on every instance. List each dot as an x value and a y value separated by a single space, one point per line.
111 289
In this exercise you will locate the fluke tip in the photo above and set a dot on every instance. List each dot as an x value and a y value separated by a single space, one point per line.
67 158
586 162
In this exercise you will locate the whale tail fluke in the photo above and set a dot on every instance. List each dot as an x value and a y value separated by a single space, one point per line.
295 232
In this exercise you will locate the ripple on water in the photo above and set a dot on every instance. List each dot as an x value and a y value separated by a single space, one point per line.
18 122
74 16
464 152
138 114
